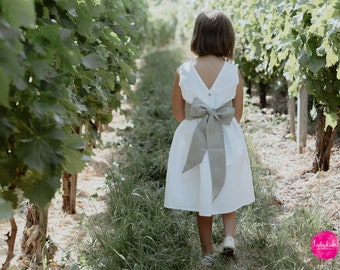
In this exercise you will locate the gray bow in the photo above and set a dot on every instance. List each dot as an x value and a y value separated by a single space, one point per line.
208 135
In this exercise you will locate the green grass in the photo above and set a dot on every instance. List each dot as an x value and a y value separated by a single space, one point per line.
138 233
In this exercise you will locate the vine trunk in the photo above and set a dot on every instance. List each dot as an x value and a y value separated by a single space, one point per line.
324 141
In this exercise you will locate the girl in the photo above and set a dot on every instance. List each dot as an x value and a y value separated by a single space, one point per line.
208 167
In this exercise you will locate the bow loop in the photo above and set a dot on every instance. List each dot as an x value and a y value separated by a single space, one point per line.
208 136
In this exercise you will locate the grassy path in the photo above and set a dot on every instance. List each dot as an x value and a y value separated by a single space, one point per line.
138 233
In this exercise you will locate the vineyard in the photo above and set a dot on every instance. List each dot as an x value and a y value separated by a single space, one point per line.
66 65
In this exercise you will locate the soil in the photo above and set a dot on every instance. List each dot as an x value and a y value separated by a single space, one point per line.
268 132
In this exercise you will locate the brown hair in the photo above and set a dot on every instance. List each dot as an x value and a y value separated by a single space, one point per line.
213 34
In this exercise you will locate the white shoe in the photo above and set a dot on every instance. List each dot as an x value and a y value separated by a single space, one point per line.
229 245
208 260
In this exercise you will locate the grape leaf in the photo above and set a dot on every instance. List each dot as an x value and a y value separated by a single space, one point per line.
93 61
38 152
75 141
73 161
51 61
73 158
10 196
19 12
8 170
6 128
67 4
42 190
316 64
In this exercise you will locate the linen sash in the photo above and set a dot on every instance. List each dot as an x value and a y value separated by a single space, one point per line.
208 136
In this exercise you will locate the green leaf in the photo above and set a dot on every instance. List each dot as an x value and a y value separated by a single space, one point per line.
5 209
67 4
19 12
331 120
4 88
42 190
11 52
293 88
8 170
75 141
6 128
316 64
45 105
52 34
84 20
331 58
39 152
93 61
304 58
73 161
10 196
40 67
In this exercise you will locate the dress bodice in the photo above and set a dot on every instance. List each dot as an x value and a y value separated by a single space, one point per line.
222 90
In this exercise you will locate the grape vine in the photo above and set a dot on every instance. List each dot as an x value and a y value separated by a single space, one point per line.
63 63
296 40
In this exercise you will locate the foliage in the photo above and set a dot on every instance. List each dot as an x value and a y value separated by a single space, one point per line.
162 24
255 26
303 38
62 64
310 39
296 39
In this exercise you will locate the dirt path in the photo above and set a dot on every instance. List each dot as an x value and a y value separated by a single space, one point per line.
68 232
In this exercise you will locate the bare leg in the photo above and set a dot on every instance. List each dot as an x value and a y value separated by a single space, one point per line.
204 225
229 223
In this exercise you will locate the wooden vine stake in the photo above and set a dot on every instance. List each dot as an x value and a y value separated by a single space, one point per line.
70 187
11 236
69 192
302 119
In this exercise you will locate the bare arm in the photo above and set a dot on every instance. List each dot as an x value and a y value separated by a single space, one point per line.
177 100
238 100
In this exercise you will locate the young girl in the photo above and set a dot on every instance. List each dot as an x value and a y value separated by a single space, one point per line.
208 167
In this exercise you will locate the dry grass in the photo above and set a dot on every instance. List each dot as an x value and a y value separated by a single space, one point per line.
293 187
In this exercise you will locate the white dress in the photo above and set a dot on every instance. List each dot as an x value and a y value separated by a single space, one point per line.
192 189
